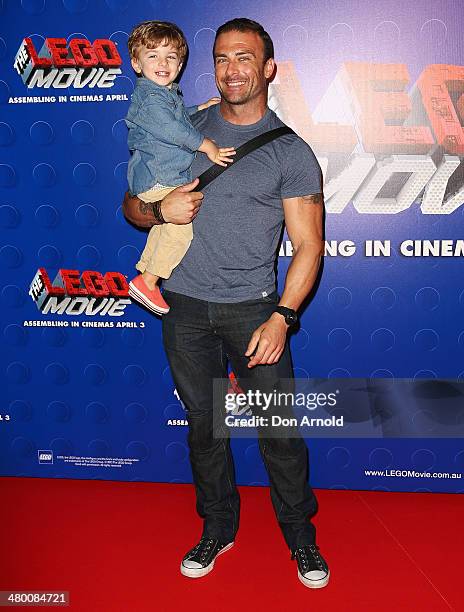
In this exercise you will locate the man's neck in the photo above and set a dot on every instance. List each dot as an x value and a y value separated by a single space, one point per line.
243 114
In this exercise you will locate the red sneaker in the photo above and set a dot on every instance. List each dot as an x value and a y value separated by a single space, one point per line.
150 298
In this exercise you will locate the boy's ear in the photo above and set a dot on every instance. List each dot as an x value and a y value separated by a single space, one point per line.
135 65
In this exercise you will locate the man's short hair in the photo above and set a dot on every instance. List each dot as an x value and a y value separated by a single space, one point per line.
242 24
153 33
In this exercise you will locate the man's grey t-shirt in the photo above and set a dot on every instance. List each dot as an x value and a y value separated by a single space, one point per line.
237 230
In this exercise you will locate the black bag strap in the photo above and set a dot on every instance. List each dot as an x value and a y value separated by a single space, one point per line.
248 147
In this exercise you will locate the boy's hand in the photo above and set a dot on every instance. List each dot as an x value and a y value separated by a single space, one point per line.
221 156
210 102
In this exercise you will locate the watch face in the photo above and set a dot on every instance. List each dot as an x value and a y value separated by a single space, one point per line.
291 318
290 315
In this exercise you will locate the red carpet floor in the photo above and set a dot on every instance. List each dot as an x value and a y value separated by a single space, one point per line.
117 547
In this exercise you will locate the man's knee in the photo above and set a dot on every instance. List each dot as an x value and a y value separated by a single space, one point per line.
200 436
284 447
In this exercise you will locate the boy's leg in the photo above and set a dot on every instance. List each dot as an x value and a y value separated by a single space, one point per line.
152 195
144 288
171 245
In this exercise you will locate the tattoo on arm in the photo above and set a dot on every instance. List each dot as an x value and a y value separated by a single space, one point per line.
146 208
316 198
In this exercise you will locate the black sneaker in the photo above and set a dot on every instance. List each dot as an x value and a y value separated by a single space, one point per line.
200 560
313 571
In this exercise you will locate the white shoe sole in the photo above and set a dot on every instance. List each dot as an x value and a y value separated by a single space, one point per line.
139 297
314 584
202 571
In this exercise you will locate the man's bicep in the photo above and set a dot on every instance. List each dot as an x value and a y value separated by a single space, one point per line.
304 219
301 172
315 198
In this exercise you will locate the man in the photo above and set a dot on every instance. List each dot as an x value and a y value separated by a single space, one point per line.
224 306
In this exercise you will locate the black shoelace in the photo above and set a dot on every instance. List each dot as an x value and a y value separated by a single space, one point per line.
309 559
202 550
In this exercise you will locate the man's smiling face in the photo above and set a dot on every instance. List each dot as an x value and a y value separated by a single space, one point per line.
241 72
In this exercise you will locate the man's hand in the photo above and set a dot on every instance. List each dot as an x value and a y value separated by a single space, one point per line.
268 341
180 206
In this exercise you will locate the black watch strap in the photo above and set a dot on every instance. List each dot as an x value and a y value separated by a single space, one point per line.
290 315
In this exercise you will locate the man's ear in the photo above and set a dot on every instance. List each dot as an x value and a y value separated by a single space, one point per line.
269 68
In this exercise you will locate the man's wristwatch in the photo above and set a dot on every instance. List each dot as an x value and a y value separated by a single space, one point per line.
290 316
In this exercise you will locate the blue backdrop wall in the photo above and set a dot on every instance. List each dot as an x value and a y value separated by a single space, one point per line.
376 89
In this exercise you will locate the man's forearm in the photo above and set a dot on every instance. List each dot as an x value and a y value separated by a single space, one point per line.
305 227
301 274
142 214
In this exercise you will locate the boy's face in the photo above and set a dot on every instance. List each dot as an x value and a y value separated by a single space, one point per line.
161 64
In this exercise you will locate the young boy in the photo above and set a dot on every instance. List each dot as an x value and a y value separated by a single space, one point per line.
163 143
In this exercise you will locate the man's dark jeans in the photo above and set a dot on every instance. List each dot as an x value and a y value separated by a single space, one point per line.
200 338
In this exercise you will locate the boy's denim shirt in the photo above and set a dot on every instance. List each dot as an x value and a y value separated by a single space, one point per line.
161 137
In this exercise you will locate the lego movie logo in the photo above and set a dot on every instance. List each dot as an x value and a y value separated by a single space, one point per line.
382 144
72 293
81 64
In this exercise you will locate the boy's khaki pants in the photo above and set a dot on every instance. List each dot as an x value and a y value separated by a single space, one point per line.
166 244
